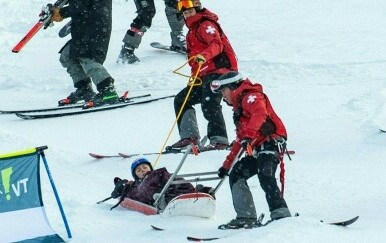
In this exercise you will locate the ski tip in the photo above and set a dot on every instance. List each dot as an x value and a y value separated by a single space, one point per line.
382 130
96 156
189 238
343 223
126 156
156 228
24 116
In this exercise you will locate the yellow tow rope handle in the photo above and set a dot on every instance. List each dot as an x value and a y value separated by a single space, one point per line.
191 79
191 83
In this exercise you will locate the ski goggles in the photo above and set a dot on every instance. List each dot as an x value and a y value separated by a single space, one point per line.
184 4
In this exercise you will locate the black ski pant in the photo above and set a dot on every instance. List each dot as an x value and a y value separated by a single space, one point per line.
264 166
210 106
146 11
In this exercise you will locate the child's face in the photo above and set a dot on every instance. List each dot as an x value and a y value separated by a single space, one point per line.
141 170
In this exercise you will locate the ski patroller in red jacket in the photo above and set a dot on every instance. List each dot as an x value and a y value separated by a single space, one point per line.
206 37
257 118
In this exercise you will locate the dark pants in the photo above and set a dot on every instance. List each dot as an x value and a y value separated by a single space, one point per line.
264 166
146 11
210 106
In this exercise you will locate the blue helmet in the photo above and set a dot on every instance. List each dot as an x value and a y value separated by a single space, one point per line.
136 163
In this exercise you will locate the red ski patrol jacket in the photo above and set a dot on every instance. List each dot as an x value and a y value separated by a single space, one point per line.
254 118
206 37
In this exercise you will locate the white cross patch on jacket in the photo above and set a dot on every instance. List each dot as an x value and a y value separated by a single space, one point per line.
210 30
251 98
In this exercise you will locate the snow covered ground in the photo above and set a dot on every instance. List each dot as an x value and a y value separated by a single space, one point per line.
322 63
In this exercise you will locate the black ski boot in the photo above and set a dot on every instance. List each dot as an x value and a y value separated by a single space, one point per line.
127 55
83 91
238 223
106 95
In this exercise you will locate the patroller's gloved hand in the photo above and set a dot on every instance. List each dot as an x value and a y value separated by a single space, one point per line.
200 59
222 172
245 142
55 15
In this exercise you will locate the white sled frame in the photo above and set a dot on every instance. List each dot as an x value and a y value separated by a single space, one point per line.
166 212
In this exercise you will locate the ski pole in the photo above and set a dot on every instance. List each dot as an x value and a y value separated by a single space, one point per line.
104 200
238 156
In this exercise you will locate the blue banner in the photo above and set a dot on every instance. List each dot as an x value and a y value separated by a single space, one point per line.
22 214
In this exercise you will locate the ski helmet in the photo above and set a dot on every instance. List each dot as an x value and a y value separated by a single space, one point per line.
138 162
231 79
186 4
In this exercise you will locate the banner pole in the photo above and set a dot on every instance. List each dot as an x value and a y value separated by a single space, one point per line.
40 150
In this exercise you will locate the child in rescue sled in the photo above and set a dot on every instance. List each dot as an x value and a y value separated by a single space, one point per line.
148 182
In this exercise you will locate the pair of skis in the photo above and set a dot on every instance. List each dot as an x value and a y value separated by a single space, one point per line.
128 156
70 110
44 22
168 150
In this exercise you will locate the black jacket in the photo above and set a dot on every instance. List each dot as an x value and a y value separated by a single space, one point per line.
90 28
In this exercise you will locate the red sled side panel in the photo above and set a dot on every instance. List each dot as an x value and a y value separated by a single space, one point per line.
139 207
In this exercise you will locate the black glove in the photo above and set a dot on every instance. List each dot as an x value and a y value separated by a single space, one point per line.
244 142
222 172
119 186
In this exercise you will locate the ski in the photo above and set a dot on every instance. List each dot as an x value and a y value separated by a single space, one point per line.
157 228
190 238
65 107
382 130
171 151
44 22
168 150
120 104
101 156
78 105
128 156
160 46
343 223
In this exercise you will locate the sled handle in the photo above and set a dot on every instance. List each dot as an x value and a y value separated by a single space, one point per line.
195 180
199 174
160 195
239 154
